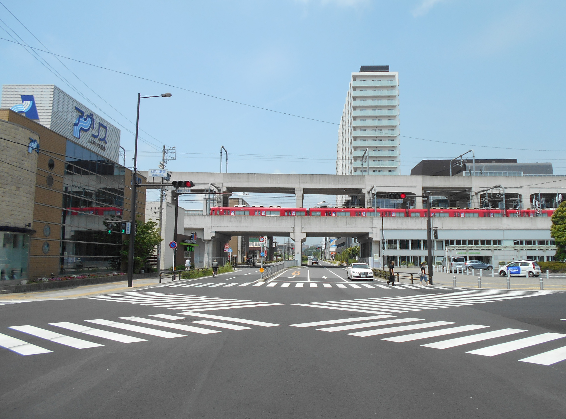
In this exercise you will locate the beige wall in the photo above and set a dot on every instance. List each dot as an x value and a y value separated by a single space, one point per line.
17 175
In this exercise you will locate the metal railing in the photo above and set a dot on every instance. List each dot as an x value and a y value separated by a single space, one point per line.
274 268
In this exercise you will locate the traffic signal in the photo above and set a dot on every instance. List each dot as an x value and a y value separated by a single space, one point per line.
123 227
435 233
397 195
182 184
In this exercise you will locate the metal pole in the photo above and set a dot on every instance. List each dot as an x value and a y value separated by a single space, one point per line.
176 198
160 221
508 280
429 239
134 197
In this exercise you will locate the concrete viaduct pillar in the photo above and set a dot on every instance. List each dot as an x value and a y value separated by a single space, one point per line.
299 196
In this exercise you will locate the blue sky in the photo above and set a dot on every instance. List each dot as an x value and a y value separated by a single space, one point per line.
481 75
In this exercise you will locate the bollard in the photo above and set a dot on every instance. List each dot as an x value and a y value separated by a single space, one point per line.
541 283
454 281
479 281
492 272
508 280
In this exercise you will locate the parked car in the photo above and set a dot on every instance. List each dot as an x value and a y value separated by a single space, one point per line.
520 268
359 270
458 262
477 264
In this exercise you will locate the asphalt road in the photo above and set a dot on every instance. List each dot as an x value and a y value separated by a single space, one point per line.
306 344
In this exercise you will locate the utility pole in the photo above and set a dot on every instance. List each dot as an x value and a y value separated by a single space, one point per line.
429 238
167 154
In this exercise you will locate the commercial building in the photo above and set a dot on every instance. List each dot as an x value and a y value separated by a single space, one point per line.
368 136
80 192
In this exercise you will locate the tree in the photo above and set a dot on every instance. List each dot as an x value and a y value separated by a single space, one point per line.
558 231
147 237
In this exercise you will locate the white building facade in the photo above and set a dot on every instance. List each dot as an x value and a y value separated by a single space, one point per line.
368 137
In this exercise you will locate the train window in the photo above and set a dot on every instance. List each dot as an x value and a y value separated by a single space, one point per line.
398 214
316 213
301 213
415 214
342 214
242 213
273 213
471 214
442 214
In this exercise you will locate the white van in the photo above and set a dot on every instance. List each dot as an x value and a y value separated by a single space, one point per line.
458 262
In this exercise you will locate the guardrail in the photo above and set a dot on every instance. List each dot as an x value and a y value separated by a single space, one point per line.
274 268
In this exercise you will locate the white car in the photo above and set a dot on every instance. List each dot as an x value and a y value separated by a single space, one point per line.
359 270
520 268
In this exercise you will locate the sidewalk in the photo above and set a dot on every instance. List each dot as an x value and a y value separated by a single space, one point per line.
486 279
84 290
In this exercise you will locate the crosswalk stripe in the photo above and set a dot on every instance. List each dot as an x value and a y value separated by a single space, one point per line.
348 320
299 285
368 324
222 325
547 358
167 316
327 286
479 337
183 327
516 344
435 333
98 332
259 284
341 285
399 329
314 285
272 284
55 337
230 319
285 284
135 328
354 286
21 347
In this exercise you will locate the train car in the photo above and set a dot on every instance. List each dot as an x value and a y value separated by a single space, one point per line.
259 211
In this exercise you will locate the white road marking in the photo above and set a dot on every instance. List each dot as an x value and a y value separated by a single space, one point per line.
337 321
516 344
98 332
285 284
21 347
399 329
56 337
230 319
432 334
547 358
479 337
167 316
222 325
135 328
369 324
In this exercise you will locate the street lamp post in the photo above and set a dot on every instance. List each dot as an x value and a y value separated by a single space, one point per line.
134 193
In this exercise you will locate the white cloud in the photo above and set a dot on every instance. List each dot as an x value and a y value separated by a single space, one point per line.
425 7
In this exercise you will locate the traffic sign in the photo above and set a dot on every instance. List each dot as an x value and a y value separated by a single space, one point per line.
173 244
158 173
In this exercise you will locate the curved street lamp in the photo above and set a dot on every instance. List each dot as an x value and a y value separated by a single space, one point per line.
134 193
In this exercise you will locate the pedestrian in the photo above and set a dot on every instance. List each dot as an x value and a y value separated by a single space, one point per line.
391 274
214 268
423 273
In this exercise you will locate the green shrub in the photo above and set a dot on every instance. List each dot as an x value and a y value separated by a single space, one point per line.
552 266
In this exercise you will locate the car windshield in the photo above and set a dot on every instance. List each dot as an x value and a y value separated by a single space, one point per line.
360 266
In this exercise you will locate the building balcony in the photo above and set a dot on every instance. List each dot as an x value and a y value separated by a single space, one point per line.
378 153
381 92
361 83
375 102
375 143
376 133
375 112
384 163
374 123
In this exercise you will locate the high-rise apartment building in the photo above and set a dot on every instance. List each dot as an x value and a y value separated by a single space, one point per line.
368 137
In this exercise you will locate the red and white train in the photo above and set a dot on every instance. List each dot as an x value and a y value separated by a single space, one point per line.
371 212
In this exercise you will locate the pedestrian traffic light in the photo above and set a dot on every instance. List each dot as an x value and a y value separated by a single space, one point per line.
182 184
123 227
435 233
